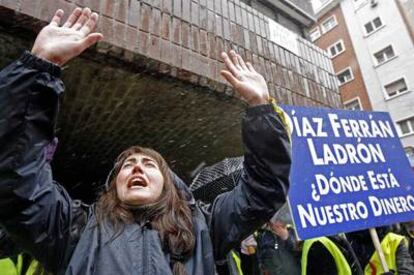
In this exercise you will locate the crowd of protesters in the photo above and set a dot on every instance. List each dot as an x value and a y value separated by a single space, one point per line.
274 249
146 221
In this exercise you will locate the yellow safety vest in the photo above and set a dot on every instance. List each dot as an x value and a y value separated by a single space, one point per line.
237 262
341 263
389 246
282 115
8 267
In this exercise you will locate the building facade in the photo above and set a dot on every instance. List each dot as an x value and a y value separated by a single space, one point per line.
331 34
294 15
383 47
406 8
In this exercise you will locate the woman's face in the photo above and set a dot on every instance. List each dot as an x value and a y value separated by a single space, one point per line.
140 181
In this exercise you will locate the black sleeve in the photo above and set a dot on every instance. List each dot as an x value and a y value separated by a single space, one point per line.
8 247
34 210
263 186
405 264
291 241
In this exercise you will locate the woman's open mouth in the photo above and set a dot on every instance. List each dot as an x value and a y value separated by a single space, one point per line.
137 182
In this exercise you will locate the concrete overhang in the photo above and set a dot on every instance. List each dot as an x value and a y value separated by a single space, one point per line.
109 105
294 11
160 89
328 6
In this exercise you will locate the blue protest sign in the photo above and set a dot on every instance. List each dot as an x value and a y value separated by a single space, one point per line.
349 172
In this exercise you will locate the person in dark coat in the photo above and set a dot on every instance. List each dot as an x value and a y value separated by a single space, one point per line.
408 231
277 250
15 261
146 222
364 249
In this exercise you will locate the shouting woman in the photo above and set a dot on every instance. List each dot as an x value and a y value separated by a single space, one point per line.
146 222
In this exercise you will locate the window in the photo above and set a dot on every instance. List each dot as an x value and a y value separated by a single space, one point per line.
315 34
373 25
409 152
396 87
329 24
345 76
353 104
384 55
336 48
406 126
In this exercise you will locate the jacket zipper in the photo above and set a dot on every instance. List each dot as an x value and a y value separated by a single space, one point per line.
145 250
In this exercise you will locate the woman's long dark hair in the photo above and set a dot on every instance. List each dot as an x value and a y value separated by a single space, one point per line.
170 215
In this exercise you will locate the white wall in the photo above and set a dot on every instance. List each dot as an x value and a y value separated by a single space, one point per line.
395 33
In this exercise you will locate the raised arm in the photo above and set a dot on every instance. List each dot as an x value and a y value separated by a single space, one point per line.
265 180
59 44
34 211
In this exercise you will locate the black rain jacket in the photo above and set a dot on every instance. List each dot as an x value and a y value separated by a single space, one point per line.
65 236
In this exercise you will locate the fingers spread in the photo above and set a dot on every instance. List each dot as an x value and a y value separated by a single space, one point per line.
229 64
86 13
57 18
233 57
250 66
241 62
90 24
73 18
89 41
229 77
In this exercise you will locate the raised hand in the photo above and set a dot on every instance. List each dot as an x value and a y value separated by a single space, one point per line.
59 44
280 229
245 80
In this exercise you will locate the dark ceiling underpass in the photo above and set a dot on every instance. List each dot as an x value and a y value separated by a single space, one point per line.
108 108
137 86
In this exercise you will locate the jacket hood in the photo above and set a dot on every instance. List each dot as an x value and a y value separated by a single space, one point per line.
183 188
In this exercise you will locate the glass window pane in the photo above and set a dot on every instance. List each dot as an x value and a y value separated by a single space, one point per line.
404 127
348 75
391 92
384 54
353 105
396 87
402 86
389 52
315 34
377 22
329 24
368 27
356 106
339 47
333 51
379 57
409 151
344 76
